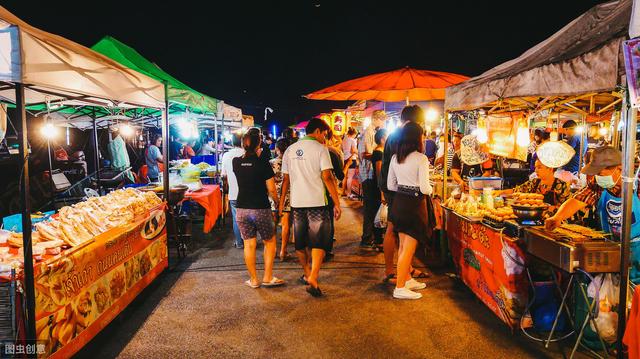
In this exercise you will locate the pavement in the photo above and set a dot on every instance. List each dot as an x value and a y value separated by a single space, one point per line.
201 308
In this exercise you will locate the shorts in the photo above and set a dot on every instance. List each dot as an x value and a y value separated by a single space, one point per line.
252 222
312 228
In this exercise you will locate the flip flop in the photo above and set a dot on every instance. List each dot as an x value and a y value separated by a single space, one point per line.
275 282
314 291
251 285
421 275
303 280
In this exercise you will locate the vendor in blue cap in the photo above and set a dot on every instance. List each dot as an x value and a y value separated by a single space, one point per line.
602 196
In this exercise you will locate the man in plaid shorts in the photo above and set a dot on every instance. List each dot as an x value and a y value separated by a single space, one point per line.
307 170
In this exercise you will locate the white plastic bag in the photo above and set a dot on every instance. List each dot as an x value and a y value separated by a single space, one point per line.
381 217
609 294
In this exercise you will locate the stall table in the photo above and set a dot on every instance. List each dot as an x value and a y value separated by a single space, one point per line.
491 264
210 198
81 290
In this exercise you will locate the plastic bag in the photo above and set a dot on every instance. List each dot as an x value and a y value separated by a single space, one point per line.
609 294
381 217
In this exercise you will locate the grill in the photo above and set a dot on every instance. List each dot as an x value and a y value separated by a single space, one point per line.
594 256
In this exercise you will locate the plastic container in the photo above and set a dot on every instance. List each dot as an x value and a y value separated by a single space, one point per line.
480 183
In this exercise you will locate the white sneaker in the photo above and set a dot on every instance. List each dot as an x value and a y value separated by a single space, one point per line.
413 284
404 293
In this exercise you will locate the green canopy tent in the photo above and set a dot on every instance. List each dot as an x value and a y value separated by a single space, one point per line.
181 97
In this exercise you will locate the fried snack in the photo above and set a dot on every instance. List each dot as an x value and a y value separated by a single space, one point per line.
82 310
116 285
101 298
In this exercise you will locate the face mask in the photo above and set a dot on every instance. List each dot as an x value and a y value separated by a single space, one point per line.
605 182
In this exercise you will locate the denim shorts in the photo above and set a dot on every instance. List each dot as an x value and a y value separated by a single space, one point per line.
253 222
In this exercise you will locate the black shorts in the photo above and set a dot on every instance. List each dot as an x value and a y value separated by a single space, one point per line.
312 228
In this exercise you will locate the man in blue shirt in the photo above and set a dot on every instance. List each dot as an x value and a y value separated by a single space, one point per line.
431 148
153 156
573 139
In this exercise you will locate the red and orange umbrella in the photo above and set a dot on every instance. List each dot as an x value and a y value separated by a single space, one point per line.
403 84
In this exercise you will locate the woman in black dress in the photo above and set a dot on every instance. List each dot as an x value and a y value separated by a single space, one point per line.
409 179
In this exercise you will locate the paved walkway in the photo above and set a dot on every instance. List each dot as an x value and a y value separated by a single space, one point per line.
203 310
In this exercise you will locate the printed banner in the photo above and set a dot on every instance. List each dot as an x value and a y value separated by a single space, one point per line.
631 50
79 293
490 266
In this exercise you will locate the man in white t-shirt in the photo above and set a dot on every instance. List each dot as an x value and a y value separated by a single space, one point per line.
231 184
307 170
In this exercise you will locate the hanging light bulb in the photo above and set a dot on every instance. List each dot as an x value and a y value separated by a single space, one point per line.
126 130
48 131
481 132
522 136
603 131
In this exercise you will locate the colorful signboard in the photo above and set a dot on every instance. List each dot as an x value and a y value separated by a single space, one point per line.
490 264
631 50
80 292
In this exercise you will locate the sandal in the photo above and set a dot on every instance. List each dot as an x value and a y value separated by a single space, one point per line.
275 282
314 291
420 275
303 280
389 278
251 285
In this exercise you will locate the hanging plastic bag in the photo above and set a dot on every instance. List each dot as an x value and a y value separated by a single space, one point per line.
608 286
381 217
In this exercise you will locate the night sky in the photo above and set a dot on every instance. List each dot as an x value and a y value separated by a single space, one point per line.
253 54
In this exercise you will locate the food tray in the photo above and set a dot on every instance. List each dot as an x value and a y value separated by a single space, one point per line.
493 223
479 183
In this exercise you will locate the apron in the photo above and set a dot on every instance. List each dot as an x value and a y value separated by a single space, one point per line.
610 214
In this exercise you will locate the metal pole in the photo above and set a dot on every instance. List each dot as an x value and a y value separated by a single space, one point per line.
582 140
52 183
445 181
96 154
629 116
445 166
25 196
165 144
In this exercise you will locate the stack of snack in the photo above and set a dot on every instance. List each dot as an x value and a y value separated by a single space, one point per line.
499 214
81 222
528 200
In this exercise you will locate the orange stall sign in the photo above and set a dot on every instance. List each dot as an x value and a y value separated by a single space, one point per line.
82 290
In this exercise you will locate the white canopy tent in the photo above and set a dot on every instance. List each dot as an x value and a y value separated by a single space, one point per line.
53 67
36 68
582 57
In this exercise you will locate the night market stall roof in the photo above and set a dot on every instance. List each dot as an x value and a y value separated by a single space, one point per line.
53 68
576 69
180 96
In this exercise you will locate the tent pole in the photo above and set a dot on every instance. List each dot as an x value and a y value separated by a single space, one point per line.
628 178
30 312
165 144
445 180
583 126
52 183
96 154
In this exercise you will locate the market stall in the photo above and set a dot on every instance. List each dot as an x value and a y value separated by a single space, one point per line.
575 73
80 268
190 113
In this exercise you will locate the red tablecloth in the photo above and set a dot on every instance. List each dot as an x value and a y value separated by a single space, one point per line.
210 198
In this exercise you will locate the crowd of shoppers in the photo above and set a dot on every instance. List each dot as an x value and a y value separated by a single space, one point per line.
298 189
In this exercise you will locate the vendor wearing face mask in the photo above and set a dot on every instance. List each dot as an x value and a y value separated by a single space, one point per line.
601 194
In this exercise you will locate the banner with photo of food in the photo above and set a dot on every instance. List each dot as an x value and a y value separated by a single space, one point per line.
491 265
80 292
